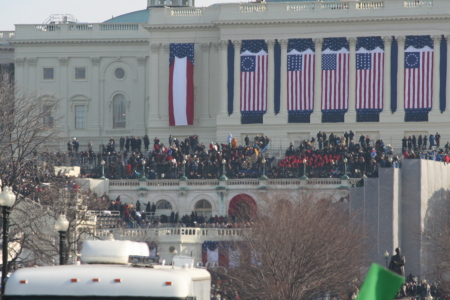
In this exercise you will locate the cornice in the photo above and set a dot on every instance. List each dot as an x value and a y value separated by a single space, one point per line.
330 20
179 26
109 41
241 22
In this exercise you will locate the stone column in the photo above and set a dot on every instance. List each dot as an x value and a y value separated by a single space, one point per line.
163 95
141 125
387 78
153 85
316 116
63 94
436 69
270 78
20 81
223 45
94 120
351 113
237 79
205 81
447 100
401 77
283 80
33 75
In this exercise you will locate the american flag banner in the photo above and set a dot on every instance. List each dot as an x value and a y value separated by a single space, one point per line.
369 74
335 74
419 56
254 60
216 253
181 84
300 77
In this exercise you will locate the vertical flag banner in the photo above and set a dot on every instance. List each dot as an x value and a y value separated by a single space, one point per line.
181 84
369 75
300 78
418 86
254 60
335 75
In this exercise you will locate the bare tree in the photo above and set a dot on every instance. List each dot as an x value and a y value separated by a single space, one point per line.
297 248
27 130
436 240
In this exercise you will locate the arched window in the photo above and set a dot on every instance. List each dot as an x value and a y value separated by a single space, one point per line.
203 208
163 204
119 111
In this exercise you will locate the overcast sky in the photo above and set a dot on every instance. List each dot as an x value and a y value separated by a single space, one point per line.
86 11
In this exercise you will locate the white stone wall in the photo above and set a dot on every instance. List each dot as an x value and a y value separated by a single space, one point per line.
142 50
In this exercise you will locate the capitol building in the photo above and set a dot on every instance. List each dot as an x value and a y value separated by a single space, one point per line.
282 69
286 70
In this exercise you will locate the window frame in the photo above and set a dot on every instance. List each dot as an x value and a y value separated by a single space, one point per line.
75 73
44 69
121 106
76 117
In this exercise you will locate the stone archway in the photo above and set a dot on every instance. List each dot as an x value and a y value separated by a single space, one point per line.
242 208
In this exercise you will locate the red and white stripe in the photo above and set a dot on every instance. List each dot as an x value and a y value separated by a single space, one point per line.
254 85
181 92
419 82
335 84
301 85
370 84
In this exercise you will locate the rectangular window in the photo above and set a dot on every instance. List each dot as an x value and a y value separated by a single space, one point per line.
49 73
47 114
80 116
80 73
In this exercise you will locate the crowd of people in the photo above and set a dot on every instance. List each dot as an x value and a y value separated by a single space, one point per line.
322 156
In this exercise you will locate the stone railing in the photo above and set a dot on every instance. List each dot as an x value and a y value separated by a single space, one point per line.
86 27
335 6
252 8
6 35
369 5
300 7
192 234
186 12
213 183
418 3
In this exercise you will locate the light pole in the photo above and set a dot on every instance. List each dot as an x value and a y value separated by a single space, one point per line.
223 177
7 199
61 225
345 177
143 178
304 177
264 177
103 170
183 170
386 257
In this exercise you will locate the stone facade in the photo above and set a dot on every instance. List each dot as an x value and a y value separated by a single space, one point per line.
141 52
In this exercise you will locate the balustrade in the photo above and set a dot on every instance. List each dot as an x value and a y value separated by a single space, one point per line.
186 12
335 6
418 3
300 7
252 8
369 5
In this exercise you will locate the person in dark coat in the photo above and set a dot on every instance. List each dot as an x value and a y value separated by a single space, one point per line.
122 143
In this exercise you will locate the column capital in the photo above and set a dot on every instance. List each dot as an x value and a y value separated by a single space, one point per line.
318 42
283 43
237 44
215 46
270 43
436 38
223 45
205 47
142 60
387 40
95 61
19 61
166 47
352 41
32 61
64 61
400 39
155 47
